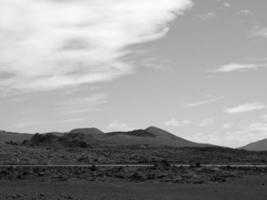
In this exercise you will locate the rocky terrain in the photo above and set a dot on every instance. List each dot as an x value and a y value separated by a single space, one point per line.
160 172
13 154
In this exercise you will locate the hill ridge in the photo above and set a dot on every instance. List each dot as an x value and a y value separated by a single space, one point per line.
151 136
260 145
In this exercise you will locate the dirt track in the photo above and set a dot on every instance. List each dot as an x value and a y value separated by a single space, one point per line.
140 165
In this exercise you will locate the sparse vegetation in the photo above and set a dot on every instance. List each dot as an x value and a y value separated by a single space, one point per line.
157 173
77 152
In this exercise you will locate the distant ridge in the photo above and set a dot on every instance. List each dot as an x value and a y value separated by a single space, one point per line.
160 132
260 145
88 131
84 137
151 136
12 136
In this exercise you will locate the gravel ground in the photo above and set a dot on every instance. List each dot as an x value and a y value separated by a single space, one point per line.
84 190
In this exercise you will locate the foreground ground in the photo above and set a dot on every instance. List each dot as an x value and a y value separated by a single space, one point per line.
160 182
249 188
160 173
29 173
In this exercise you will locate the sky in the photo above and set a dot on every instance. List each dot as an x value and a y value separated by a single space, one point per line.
196 68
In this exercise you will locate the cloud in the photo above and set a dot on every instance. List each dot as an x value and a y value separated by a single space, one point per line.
245 108
227 125
247 134
87 100
242 135
206 138
245 13
80 105
235 138
258 127
233 67
175 123
206 122
49 44
207 16
203 102
29 123
227 5
154 63
264 118
260 31
118 126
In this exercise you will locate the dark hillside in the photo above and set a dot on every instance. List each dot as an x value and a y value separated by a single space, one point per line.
91 136
14 137
256 146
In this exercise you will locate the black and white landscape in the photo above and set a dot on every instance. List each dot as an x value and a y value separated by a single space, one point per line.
101 162
133 99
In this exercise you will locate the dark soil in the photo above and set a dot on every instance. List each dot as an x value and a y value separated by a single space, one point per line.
84 190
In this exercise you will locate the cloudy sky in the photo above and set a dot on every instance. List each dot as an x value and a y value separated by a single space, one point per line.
194 67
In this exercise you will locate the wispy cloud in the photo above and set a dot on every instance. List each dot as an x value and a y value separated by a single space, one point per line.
175 123
227 5
264 118
247 134
80 105
258 127
245 13
248 107
204 137
29 123
227 125
206 122
233 135
87 100
260 31
233 67
202 102
52 44
207 16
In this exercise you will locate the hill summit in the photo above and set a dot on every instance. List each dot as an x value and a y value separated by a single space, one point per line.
87 131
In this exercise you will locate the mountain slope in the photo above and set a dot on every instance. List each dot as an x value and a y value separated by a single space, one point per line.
87 131
256 146
151 136
88 137
178 141
15 137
